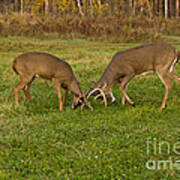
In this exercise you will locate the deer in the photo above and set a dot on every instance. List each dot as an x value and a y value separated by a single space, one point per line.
125 65
38 64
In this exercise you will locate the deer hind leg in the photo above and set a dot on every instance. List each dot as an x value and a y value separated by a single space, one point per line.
58 89
167 83
123 88
123 98
26 90
175 76
23 82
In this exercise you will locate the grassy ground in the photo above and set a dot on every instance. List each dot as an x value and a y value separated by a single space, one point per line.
39 142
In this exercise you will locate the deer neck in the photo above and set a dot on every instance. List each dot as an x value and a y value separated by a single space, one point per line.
75 88
107 79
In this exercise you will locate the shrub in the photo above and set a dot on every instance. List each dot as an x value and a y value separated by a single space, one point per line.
111 28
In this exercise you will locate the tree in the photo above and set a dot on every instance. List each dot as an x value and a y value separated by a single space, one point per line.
22 7
177 8
130 7
79 6
166 9
46 3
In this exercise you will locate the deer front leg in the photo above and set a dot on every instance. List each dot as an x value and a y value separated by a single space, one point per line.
123 88
123 98
64 98
126 96
113 99
58 89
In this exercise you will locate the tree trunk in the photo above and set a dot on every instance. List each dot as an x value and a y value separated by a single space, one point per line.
130 7
46 6
22 7
155 7
166 9
141 8
79 6
161 8
54 10
177 8
158 7
91 7
134 8
15 5
171 8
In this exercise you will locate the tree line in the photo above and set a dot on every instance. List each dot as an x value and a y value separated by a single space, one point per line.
161 8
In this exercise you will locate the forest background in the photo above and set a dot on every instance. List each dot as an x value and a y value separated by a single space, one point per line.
112 20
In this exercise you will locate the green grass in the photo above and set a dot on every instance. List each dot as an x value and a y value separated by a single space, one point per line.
39 142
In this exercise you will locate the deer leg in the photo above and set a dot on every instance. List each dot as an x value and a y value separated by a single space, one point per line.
65 94
26 90
126 96
16 89
175 77
123 98
123 86
113 99
58 89
23 82
166 81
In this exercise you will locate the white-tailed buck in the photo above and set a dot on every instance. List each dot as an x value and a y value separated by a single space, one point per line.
32 64
160 58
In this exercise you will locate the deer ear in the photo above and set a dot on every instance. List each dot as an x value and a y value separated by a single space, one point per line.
94 84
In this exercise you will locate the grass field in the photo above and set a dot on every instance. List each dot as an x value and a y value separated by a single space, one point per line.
39 142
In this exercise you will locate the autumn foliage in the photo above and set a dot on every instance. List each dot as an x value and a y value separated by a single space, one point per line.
117 21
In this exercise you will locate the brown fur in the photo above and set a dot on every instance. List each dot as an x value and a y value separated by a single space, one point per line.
129 63
47 66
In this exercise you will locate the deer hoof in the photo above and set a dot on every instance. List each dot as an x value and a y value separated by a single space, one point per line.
133 105
161 108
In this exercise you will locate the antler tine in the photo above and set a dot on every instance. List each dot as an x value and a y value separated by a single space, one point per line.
104 97
86 102
99 95
102 94
92 92
90 107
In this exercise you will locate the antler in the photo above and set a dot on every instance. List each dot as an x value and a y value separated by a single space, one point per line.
86 102
101 93
97 96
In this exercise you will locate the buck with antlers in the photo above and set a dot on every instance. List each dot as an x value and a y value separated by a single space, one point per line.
125 65
32 64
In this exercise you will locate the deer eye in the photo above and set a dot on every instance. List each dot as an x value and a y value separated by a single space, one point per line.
81 100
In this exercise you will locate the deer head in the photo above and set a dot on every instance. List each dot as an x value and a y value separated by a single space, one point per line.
80 101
